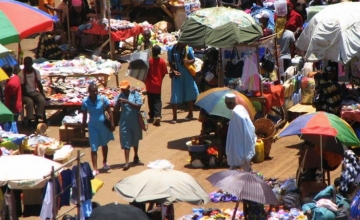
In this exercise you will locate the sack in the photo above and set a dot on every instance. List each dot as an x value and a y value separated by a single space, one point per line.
143 120
268 62
139 74
190 67
307 90
139 60
234 70
116 117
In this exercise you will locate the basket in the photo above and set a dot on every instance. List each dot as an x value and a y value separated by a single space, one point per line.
265 130
198 148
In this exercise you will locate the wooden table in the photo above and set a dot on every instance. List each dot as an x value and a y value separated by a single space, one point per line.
83 131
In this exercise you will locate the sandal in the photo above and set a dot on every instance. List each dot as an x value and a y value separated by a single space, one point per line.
173 122
126 167
136 160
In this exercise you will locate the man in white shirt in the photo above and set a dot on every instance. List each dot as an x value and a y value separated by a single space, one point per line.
33 92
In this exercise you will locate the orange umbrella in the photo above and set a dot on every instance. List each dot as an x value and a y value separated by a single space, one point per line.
213 101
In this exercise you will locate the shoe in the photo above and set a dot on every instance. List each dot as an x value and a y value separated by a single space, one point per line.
268 158
136 160
150 120
157 121
173 122
126 167
106 167
95 172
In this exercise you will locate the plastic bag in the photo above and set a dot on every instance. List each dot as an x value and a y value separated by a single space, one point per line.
161 164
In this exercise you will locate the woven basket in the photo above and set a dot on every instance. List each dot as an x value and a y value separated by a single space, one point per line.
265 130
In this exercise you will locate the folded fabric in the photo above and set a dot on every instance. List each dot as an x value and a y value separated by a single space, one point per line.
326 203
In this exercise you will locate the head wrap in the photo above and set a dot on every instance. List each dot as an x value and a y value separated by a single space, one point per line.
351 170
230 96
76 3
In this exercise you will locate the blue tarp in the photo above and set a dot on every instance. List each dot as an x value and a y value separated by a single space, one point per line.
8 60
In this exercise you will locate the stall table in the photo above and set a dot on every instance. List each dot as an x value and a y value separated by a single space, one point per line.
116 36
351 116
299 109
101 77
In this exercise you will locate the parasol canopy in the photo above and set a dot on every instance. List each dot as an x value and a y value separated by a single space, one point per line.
213 101
25 171
162 185
219 27
323 129
332 34
20 20
5 114
114 211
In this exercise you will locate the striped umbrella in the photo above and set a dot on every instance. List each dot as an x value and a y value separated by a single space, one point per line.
20 20
243 185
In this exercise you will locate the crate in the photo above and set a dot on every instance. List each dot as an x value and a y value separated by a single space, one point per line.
70 134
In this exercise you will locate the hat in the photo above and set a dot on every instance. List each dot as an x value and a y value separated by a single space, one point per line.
230 96
124 84
76 3
263 14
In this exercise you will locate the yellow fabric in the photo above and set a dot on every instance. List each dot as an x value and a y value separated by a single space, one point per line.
96 184
190 67
42 7
3 75
280 26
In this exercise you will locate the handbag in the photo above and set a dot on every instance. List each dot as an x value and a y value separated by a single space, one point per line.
234 70
268 62
190 67
143 120
107 122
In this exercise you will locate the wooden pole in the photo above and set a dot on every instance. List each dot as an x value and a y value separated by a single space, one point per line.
78 184
220 70
54 197
68 24
112 45
235 210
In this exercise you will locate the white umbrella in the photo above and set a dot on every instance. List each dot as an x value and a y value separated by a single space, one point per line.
25 171
162 185
332 34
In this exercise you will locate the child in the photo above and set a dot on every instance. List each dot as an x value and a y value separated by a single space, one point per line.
153 81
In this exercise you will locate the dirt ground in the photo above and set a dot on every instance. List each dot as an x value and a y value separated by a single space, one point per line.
168 142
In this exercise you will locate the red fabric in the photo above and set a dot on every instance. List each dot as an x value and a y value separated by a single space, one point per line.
115 35
156 73
319 125
13 89
294 20
350 116
274 97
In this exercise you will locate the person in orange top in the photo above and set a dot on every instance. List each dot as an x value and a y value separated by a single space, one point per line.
48 6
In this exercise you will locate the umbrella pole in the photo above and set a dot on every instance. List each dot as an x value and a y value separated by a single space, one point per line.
321 155
235 210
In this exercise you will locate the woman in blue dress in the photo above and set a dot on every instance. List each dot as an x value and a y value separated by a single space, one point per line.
99 134
129 102
183 85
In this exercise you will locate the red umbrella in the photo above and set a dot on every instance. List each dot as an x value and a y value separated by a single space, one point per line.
19 21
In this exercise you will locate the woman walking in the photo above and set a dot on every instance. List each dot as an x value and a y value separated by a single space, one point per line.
129 102
99 134
183 85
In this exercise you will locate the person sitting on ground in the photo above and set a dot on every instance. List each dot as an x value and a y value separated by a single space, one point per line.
48 48
32 91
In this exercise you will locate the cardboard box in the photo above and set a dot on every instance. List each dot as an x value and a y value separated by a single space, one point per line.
72 133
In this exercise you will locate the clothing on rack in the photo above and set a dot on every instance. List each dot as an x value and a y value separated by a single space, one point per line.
66 183
86 176
251 76
47 205
32 201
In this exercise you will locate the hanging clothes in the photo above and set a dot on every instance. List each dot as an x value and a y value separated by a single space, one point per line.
32 201
86 176
47 205
250 77
9 211
66 183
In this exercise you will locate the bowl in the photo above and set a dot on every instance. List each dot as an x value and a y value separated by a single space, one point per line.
198 148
